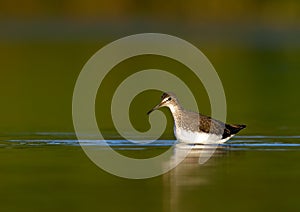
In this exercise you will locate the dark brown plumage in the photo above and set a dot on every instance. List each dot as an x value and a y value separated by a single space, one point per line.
210 125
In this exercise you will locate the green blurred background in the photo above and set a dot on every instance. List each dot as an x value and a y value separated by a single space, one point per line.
253 45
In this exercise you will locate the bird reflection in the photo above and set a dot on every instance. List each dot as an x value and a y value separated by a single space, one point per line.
195 153
195 169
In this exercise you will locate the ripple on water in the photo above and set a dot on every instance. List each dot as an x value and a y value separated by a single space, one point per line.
245 142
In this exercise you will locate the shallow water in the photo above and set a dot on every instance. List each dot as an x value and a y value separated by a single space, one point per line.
49 171
42 170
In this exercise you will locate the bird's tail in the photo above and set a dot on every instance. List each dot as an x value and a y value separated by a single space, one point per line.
235 128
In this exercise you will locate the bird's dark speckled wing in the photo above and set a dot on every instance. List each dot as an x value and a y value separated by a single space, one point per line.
209 125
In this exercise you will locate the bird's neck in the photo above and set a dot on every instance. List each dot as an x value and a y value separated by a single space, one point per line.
176 111
175 108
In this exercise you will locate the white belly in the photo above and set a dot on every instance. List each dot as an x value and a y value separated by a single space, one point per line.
187 136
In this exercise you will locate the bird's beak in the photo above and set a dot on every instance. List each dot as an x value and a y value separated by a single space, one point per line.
155 108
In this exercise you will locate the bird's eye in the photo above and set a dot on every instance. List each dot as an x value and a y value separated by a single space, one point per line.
169 99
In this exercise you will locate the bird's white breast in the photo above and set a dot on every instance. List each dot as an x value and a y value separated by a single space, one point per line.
188 136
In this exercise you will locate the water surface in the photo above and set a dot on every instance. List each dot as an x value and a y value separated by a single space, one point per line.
49 171
43 167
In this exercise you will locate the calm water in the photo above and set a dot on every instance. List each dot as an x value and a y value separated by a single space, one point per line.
258 170
49 171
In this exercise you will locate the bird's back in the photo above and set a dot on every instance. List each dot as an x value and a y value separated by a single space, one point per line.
192 121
